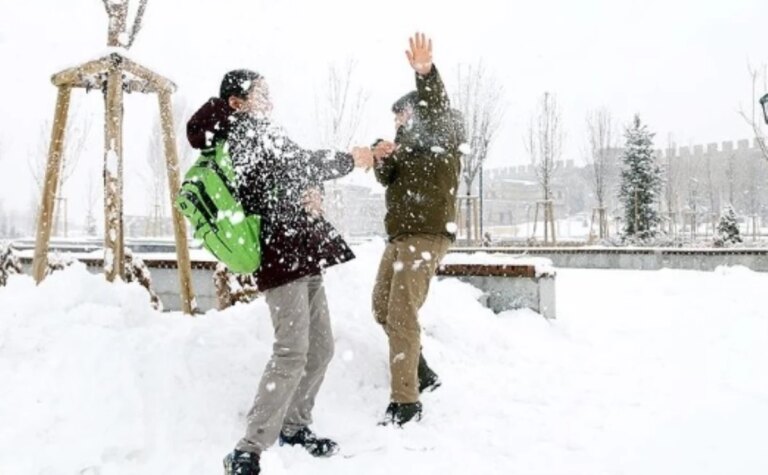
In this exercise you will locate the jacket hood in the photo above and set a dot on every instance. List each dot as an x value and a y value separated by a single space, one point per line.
209 124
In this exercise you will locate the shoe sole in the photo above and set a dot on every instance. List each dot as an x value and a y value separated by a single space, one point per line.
431 387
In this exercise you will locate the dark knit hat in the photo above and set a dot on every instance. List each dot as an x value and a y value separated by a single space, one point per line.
410 99
238 83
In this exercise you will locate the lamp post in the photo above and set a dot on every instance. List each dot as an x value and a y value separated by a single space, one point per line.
764 104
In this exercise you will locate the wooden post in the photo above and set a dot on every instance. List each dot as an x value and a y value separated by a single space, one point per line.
179 227
476 220
114 253
52 171
118 19
551 207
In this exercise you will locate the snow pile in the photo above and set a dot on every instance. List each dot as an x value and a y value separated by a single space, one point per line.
657 372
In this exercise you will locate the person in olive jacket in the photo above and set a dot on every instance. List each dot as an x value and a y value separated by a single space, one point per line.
280 181
420 171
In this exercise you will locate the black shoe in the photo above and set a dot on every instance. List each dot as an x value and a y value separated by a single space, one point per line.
428 379
316 446
241 463
402 413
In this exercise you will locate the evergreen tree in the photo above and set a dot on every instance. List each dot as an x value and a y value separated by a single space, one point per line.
728 228
640 182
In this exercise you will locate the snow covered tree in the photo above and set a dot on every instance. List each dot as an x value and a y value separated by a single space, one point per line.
728 228
233 288
640 182
9 264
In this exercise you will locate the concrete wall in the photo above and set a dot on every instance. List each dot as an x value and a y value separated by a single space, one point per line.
642 259
502 294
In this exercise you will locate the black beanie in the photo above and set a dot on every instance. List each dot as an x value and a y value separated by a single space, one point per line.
238 83
409 99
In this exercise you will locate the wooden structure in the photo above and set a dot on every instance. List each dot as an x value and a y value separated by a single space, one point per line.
468 218
548 211
599 216
114 75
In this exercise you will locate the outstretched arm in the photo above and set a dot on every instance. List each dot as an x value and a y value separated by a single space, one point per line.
433 99
323 165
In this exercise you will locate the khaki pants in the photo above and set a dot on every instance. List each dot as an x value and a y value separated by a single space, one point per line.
407 267
302 350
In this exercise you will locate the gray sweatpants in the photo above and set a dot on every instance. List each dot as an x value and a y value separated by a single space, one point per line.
302 350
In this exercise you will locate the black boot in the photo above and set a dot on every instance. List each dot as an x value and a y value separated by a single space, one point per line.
428 379
241 463
316 446
402 413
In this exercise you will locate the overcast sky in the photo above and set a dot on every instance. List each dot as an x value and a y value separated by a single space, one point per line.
681 64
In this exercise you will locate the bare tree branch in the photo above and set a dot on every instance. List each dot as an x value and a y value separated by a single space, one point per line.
340 107
544 142
137 22
478 98
602 152
753 120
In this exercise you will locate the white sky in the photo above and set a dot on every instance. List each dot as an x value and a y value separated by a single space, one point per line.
681 63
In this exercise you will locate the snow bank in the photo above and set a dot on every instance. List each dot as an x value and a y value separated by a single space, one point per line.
656 372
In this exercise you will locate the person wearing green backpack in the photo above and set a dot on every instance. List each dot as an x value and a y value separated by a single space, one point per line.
280 182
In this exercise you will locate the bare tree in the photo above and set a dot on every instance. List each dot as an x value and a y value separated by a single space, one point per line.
478 99
119 36
340 107
754 118
730 176
672 186
156 183
90 206
76 135
712 193
544 144
601 161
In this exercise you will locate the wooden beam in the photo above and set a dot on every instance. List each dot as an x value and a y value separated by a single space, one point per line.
179 226
52 171
487 270
114 258
72 76
118 19
141 72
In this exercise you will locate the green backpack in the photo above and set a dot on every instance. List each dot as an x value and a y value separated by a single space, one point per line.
207 198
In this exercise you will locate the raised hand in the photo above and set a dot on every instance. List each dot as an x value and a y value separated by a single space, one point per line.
420 54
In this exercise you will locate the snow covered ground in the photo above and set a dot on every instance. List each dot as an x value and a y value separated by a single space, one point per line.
644 373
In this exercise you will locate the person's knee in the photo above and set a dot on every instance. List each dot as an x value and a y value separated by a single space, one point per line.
291 357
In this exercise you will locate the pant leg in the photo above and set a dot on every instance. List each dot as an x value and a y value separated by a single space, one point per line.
383 286
289 309
417 258
320 353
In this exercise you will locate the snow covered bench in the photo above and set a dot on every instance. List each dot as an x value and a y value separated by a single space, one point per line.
508 282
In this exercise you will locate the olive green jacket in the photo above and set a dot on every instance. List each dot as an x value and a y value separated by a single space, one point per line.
422 176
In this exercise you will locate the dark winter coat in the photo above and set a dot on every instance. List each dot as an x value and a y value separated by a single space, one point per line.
422 176
273 173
